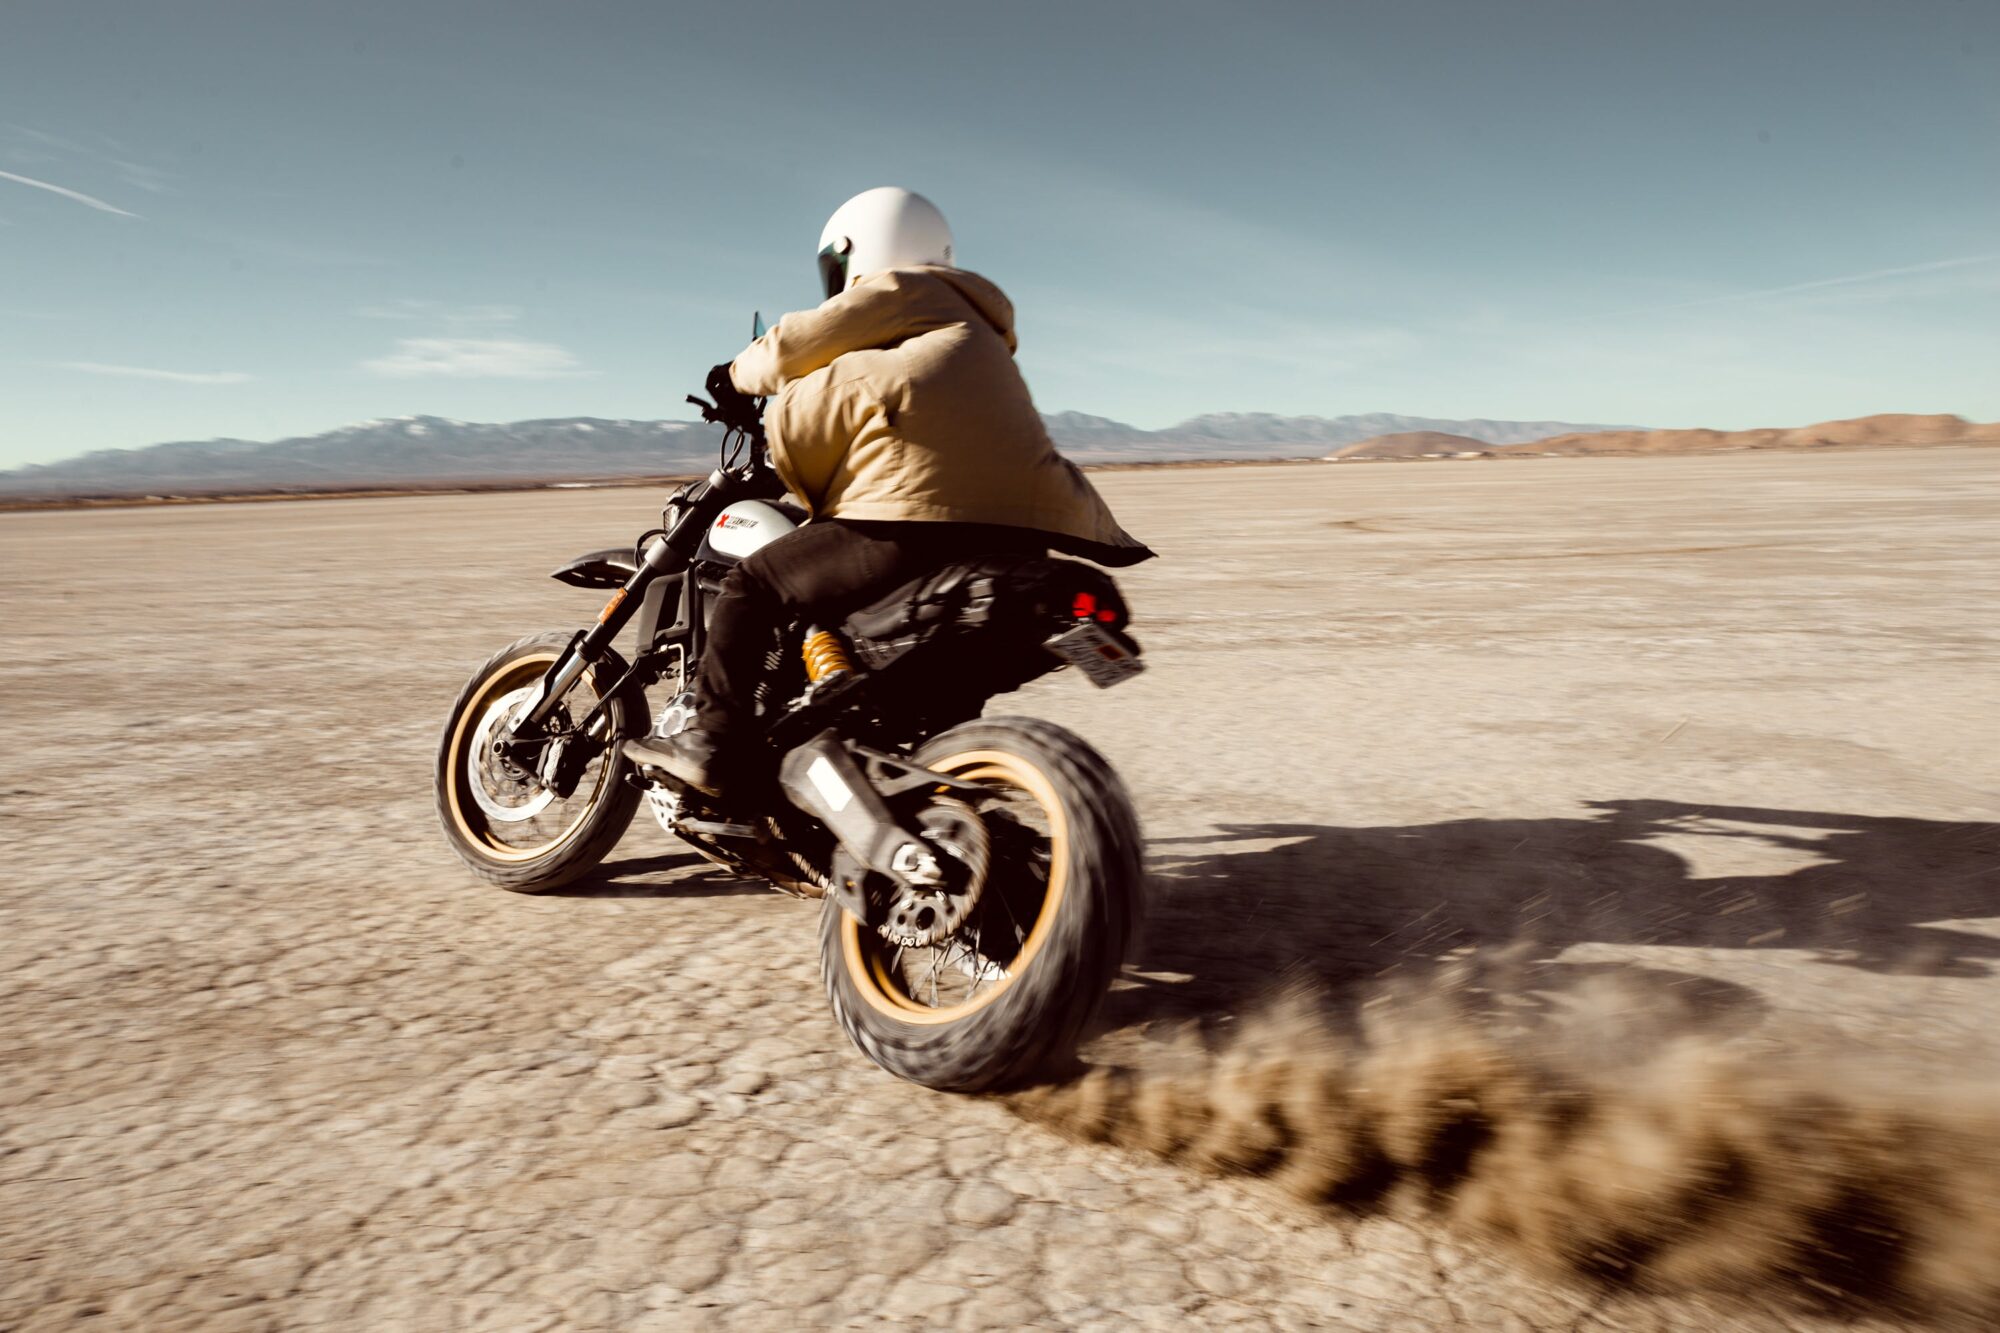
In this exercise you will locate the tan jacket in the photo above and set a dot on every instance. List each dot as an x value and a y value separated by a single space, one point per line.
899 399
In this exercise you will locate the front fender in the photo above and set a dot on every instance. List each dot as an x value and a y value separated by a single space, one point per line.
600 569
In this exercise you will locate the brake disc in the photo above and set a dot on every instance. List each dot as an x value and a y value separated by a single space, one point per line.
920 914
503 796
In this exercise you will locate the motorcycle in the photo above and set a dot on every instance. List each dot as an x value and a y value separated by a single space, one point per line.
980 876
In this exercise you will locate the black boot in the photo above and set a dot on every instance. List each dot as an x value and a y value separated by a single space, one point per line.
701 759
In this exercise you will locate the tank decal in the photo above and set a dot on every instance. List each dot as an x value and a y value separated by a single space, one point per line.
746 526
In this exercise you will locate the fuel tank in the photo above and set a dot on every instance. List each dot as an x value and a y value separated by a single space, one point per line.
744 528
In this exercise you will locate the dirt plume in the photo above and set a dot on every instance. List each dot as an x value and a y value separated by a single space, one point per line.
1591 1148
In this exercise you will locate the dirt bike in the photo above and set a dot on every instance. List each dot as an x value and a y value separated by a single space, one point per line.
980 877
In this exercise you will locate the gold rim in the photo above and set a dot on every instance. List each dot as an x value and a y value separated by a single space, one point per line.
466 816
864 955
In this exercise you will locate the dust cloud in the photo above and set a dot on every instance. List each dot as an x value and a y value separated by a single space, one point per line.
1606 1147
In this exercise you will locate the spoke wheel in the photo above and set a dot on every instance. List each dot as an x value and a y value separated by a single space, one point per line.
974 966
1014 985
512 830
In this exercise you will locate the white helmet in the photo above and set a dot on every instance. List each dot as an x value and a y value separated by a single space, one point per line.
880 229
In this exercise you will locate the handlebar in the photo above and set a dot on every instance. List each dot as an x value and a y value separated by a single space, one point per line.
744 428
750 425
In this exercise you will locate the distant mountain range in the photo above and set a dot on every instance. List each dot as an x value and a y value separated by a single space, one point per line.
1889 430
1091 439
405 451
435 451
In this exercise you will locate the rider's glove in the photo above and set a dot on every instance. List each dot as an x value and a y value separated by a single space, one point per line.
731 404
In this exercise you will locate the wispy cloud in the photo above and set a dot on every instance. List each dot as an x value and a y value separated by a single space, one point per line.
142 177
474 358
23 144
1816 285
439 312
150 373
88 201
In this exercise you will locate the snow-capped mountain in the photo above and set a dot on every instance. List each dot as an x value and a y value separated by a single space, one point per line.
433 451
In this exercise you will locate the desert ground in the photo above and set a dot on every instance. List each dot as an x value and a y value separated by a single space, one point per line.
1718 731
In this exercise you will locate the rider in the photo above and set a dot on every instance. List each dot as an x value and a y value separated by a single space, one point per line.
898 417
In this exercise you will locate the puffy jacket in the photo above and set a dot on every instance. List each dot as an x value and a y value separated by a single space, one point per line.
899 400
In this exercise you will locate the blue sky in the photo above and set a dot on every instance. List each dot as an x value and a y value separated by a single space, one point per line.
264 219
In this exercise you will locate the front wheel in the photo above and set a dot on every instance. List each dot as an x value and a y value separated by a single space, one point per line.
506 826
1012 989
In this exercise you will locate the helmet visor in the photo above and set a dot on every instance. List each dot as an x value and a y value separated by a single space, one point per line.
833 268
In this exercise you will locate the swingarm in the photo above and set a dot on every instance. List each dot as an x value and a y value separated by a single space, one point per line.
850 789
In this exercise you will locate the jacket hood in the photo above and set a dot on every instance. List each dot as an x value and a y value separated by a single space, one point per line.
979 293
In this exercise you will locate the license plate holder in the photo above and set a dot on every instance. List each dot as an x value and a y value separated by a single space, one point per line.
1097 653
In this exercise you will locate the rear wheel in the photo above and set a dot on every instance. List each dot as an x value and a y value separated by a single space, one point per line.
1011 990
510 829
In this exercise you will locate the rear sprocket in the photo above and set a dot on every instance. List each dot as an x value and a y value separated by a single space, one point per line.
943 882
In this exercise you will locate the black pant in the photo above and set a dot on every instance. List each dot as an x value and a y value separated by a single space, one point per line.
824 571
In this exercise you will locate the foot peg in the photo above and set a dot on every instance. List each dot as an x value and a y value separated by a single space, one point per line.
712 828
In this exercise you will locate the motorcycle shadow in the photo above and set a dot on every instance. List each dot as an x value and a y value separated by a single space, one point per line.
1348 910
662 877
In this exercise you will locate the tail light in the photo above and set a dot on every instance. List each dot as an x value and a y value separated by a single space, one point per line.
1106 609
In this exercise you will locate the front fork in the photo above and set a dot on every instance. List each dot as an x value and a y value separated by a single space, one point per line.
557 762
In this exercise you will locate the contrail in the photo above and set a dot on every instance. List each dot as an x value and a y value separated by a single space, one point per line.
81 198
148 373
1761 293
1849 279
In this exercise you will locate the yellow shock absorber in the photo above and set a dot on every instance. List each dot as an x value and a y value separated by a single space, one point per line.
825 655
